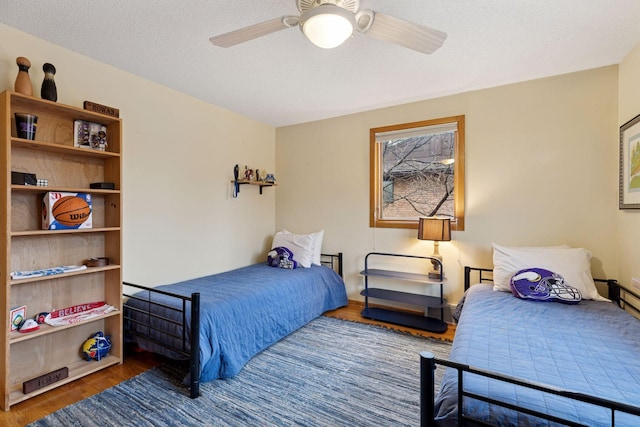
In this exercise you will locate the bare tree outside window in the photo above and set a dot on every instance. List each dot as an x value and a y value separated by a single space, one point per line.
417 171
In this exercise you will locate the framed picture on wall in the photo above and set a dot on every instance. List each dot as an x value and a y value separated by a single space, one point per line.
630 164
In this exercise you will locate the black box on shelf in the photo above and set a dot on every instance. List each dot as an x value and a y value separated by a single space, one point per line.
22 178
102 185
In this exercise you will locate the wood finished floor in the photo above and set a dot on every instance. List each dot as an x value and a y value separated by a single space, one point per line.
135 363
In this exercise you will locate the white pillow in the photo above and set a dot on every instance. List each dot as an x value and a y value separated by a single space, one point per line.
508 260
301 246
317 244
574 264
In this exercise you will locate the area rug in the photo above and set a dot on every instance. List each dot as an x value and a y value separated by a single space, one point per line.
331 372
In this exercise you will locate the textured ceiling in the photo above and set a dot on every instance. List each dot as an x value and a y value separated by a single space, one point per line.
283 79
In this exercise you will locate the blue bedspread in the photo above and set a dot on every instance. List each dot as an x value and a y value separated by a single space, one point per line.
592 347
243 311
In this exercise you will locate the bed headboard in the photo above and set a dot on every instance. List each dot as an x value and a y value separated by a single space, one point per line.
333 261
620 295
625 298
482 274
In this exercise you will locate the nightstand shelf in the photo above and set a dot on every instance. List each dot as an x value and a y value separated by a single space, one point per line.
390 315
404 297
411 320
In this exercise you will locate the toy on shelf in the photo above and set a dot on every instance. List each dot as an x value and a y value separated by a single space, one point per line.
96 347
23 81
49 90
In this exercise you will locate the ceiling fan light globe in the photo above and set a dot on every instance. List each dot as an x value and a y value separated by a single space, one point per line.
327 26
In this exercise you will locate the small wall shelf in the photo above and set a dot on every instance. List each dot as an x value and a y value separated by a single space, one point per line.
262 184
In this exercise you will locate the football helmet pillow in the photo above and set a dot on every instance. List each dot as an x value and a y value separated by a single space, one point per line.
281 257
543 285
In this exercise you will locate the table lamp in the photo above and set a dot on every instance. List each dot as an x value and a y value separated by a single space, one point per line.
438 230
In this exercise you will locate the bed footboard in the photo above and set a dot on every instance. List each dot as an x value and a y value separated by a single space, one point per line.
184 308
427 388
428 364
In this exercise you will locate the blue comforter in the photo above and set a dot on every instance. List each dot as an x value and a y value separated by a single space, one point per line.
243 311
591 347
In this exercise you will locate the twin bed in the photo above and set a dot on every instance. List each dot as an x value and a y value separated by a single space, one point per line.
219 322
518 362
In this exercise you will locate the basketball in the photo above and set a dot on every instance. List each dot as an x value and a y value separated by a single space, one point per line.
71 211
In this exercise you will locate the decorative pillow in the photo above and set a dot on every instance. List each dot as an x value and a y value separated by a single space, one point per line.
317 244
574 264
539 284
302 246
281 257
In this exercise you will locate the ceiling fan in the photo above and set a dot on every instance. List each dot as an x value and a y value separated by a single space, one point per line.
329 23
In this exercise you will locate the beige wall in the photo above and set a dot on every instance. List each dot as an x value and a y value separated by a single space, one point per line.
541 168
628 249
180 220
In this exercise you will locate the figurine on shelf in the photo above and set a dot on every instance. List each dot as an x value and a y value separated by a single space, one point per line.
257 174
99 141
270 178
248 173
49 90
23 82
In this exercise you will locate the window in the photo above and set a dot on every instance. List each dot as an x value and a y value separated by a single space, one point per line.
417 170
387 192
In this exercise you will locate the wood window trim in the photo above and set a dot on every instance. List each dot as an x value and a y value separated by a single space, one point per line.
375 181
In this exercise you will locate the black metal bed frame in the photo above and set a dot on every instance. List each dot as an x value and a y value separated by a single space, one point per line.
186 307
428 363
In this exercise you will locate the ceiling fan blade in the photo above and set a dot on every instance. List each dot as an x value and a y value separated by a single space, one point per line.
242 35
404 33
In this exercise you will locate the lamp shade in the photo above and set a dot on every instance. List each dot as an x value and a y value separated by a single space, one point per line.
327 26
436 229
